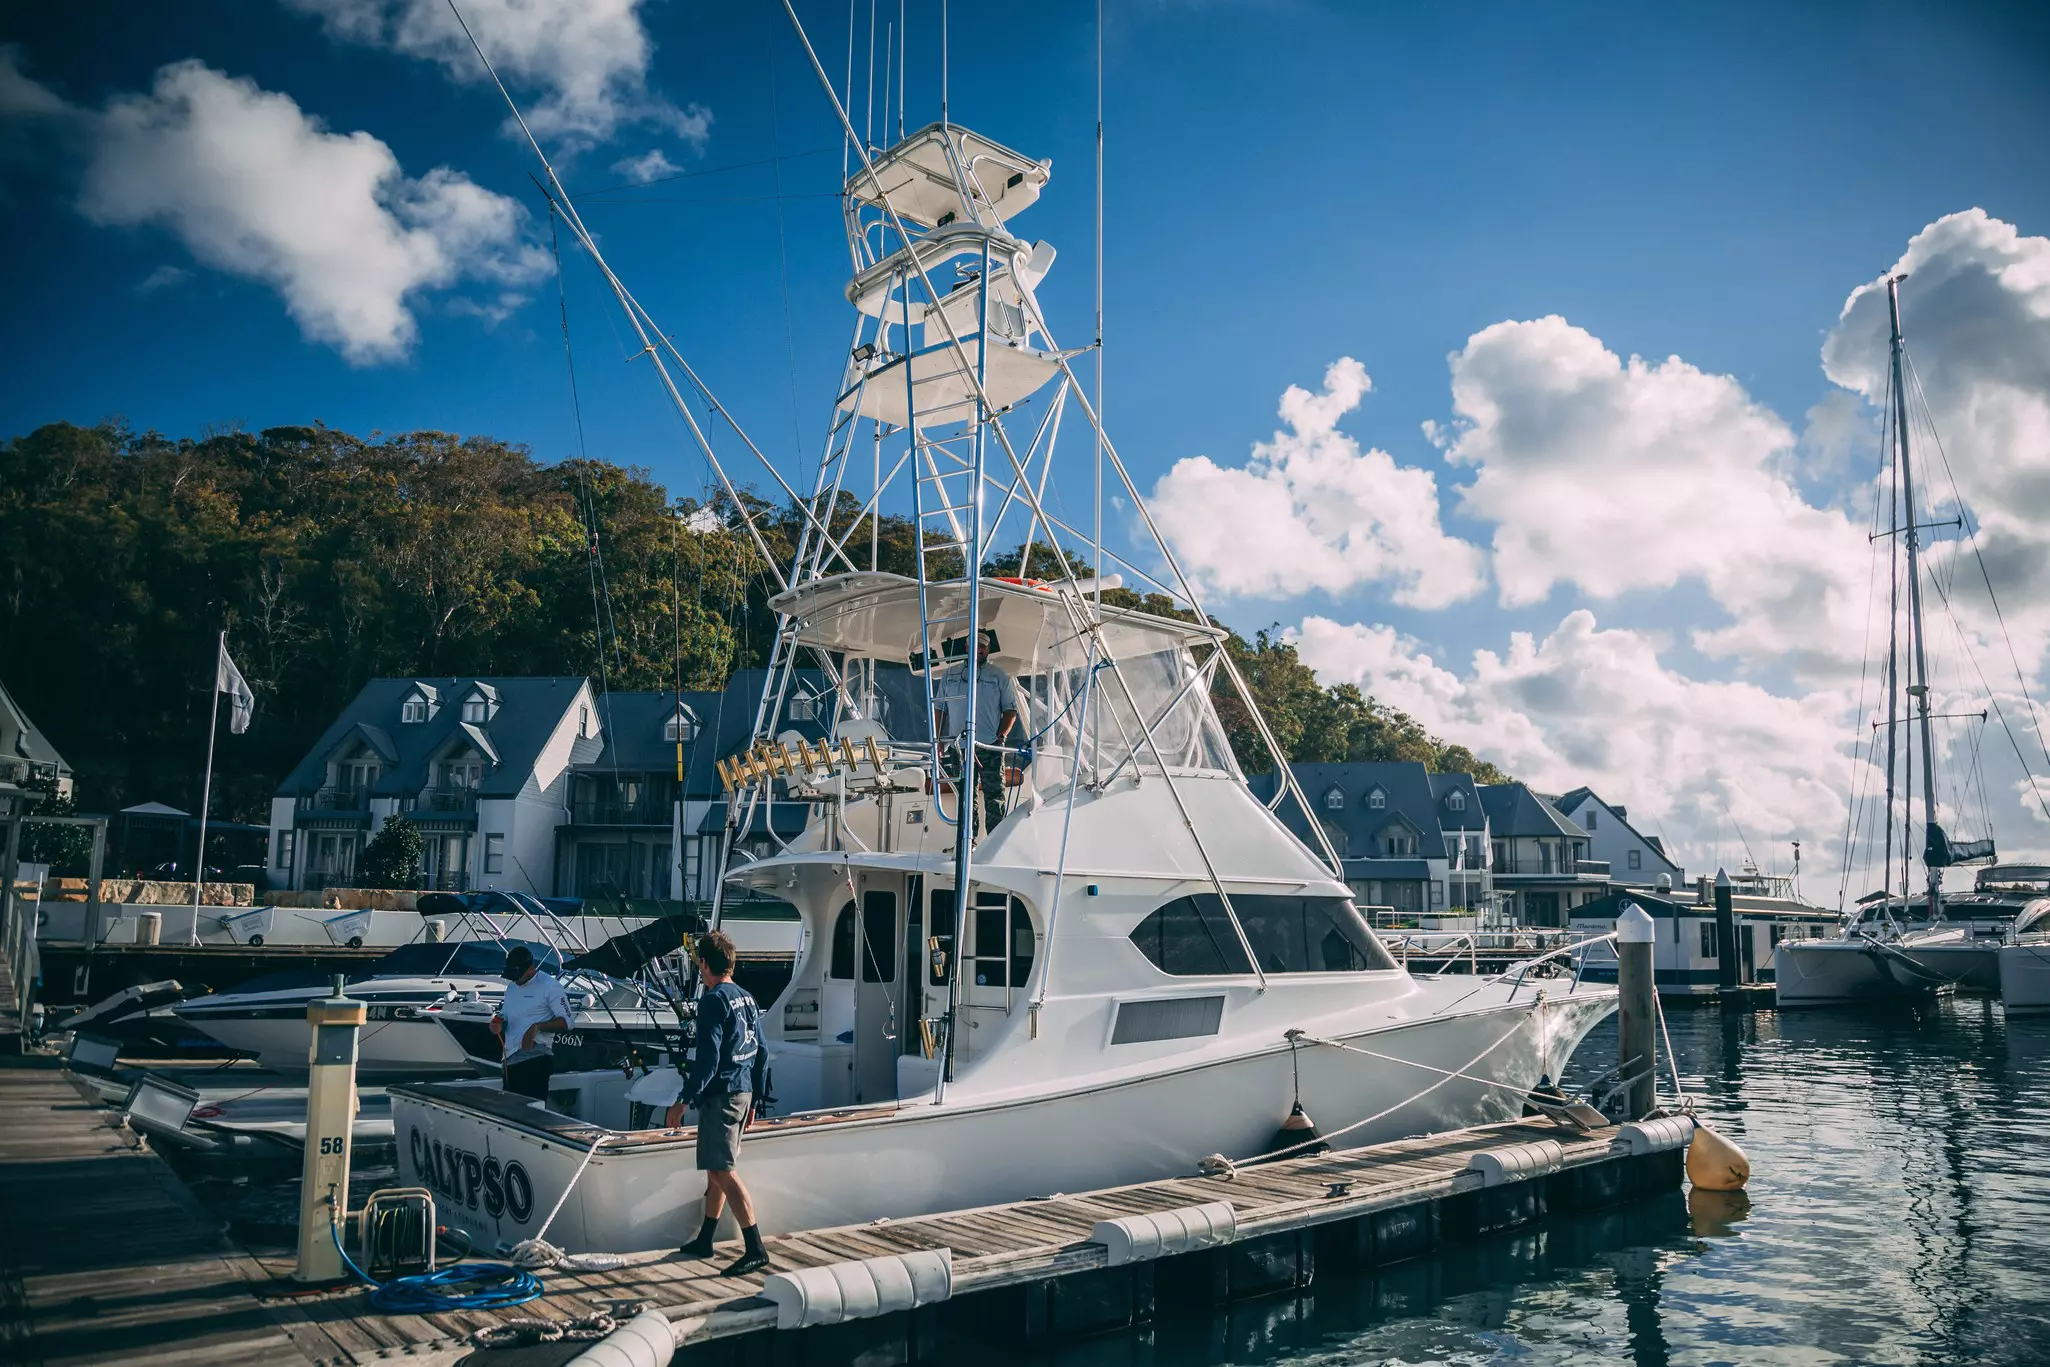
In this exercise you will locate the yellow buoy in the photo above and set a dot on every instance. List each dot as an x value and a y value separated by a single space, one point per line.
1714 1163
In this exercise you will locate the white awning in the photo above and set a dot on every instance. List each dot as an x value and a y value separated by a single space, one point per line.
877 616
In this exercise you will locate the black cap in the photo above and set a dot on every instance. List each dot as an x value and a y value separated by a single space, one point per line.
517 961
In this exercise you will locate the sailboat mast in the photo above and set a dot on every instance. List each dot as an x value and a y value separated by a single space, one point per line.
1893 684
1920 688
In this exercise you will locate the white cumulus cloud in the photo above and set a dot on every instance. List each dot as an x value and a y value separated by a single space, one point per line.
1311 510
254 186
1615 475
1975 311
1697 759
588 58
650 165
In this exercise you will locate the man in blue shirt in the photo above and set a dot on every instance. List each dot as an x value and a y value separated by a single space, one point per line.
729 1070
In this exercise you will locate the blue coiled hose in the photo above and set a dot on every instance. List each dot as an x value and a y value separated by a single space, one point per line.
497 1286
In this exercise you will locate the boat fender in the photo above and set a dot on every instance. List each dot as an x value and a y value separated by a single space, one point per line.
1164 1233
862 1289
1298 1134
1714 1163
1656 1135
657 1088
1517 1162
646 1340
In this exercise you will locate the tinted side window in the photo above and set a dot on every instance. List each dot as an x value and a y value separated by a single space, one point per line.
1192 936
1309 935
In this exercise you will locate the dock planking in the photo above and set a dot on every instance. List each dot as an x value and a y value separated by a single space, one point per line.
129 1263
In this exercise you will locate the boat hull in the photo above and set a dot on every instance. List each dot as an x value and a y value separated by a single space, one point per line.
387 1048
2025 978
498 1176
1839 972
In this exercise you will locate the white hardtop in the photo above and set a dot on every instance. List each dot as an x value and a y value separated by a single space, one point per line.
877 615
920 178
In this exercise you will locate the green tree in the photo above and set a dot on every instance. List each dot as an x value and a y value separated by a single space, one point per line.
68 850
392 858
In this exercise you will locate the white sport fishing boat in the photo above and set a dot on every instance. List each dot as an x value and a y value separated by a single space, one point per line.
402 994
1149 967
405 990
1898 946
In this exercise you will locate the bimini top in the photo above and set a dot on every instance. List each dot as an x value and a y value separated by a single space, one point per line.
920 178
877 616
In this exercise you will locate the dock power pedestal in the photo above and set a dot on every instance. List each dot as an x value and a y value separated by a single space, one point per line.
330 1126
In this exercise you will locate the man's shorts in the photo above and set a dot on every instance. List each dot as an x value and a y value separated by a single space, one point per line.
719 1124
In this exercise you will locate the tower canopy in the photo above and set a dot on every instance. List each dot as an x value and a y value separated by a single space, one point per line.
934 175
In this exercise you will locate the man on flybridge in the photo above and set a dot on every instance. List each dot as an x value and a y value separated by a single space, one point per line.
996 712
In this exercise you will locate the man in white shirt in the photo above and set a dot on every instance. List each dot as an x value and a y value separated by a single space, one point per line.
535 1006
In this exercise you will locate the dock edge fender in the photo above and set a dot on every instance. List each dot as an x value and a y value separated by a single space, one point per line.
1517 1162
1656 1136
862 1289
1164 1233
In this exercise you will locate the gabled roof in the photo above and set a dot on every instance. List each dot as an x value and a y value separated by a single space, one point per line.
1474 817
529 712
633 723
1514 810
33 745
1569 803
1407 787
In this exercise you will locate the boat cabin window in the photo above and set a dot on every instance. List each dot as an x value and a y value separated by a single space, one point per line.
840 963
1192 936
878 947
1708 940
868 939
1003 941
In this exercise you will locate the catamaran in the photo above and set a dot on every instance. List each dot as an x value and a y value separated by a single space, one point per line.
1132 964
1899 945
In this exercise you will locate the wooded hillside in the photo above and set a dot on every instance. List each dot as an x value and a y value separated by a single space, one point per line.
330 559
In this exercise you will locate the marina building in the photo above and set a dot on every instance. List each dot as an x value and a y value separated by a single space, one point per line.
1407 839
1635 860
26 755
541 785
1541 863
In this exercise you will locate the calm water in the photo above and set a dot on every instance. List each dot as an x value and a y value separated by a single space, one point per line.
1899 1212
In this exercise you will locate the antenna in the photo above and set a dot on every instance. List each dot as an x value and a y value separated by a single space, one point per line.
1096 529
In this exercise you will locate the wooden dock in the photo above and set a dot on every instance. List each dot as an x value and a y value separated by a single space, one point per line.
123 1260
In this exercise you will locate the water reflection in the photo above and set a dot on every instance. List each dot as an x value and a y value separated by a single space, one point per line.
1899 1212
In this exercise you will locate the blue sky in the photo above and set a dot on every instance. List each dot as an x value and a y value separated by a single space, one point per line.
1288 184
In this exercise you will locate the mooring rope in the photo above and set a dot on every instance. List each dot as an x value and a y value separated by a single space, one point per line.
537 1253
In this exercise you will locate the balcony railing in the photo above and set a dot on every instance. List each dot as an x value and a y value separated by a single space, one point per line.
337 799
448 800
609 810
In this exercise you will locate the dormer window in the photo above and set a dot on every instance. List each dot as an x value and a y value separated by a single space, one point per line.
1334 800
476 711
414 709
681 728
1377 799
1456 802
802 709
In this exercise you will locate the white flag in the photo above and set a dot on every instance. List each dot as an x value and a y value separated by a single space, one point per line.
229 680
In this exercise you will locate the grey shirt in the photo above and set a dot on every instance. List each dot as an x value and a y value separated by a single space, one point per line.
994 696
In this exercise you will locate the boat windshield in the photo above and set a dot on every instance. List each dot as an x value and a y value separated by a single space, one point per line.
1164 693
462 958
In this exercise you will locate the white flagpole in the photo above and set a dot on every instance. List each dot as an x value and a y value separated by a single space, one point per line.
206 792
